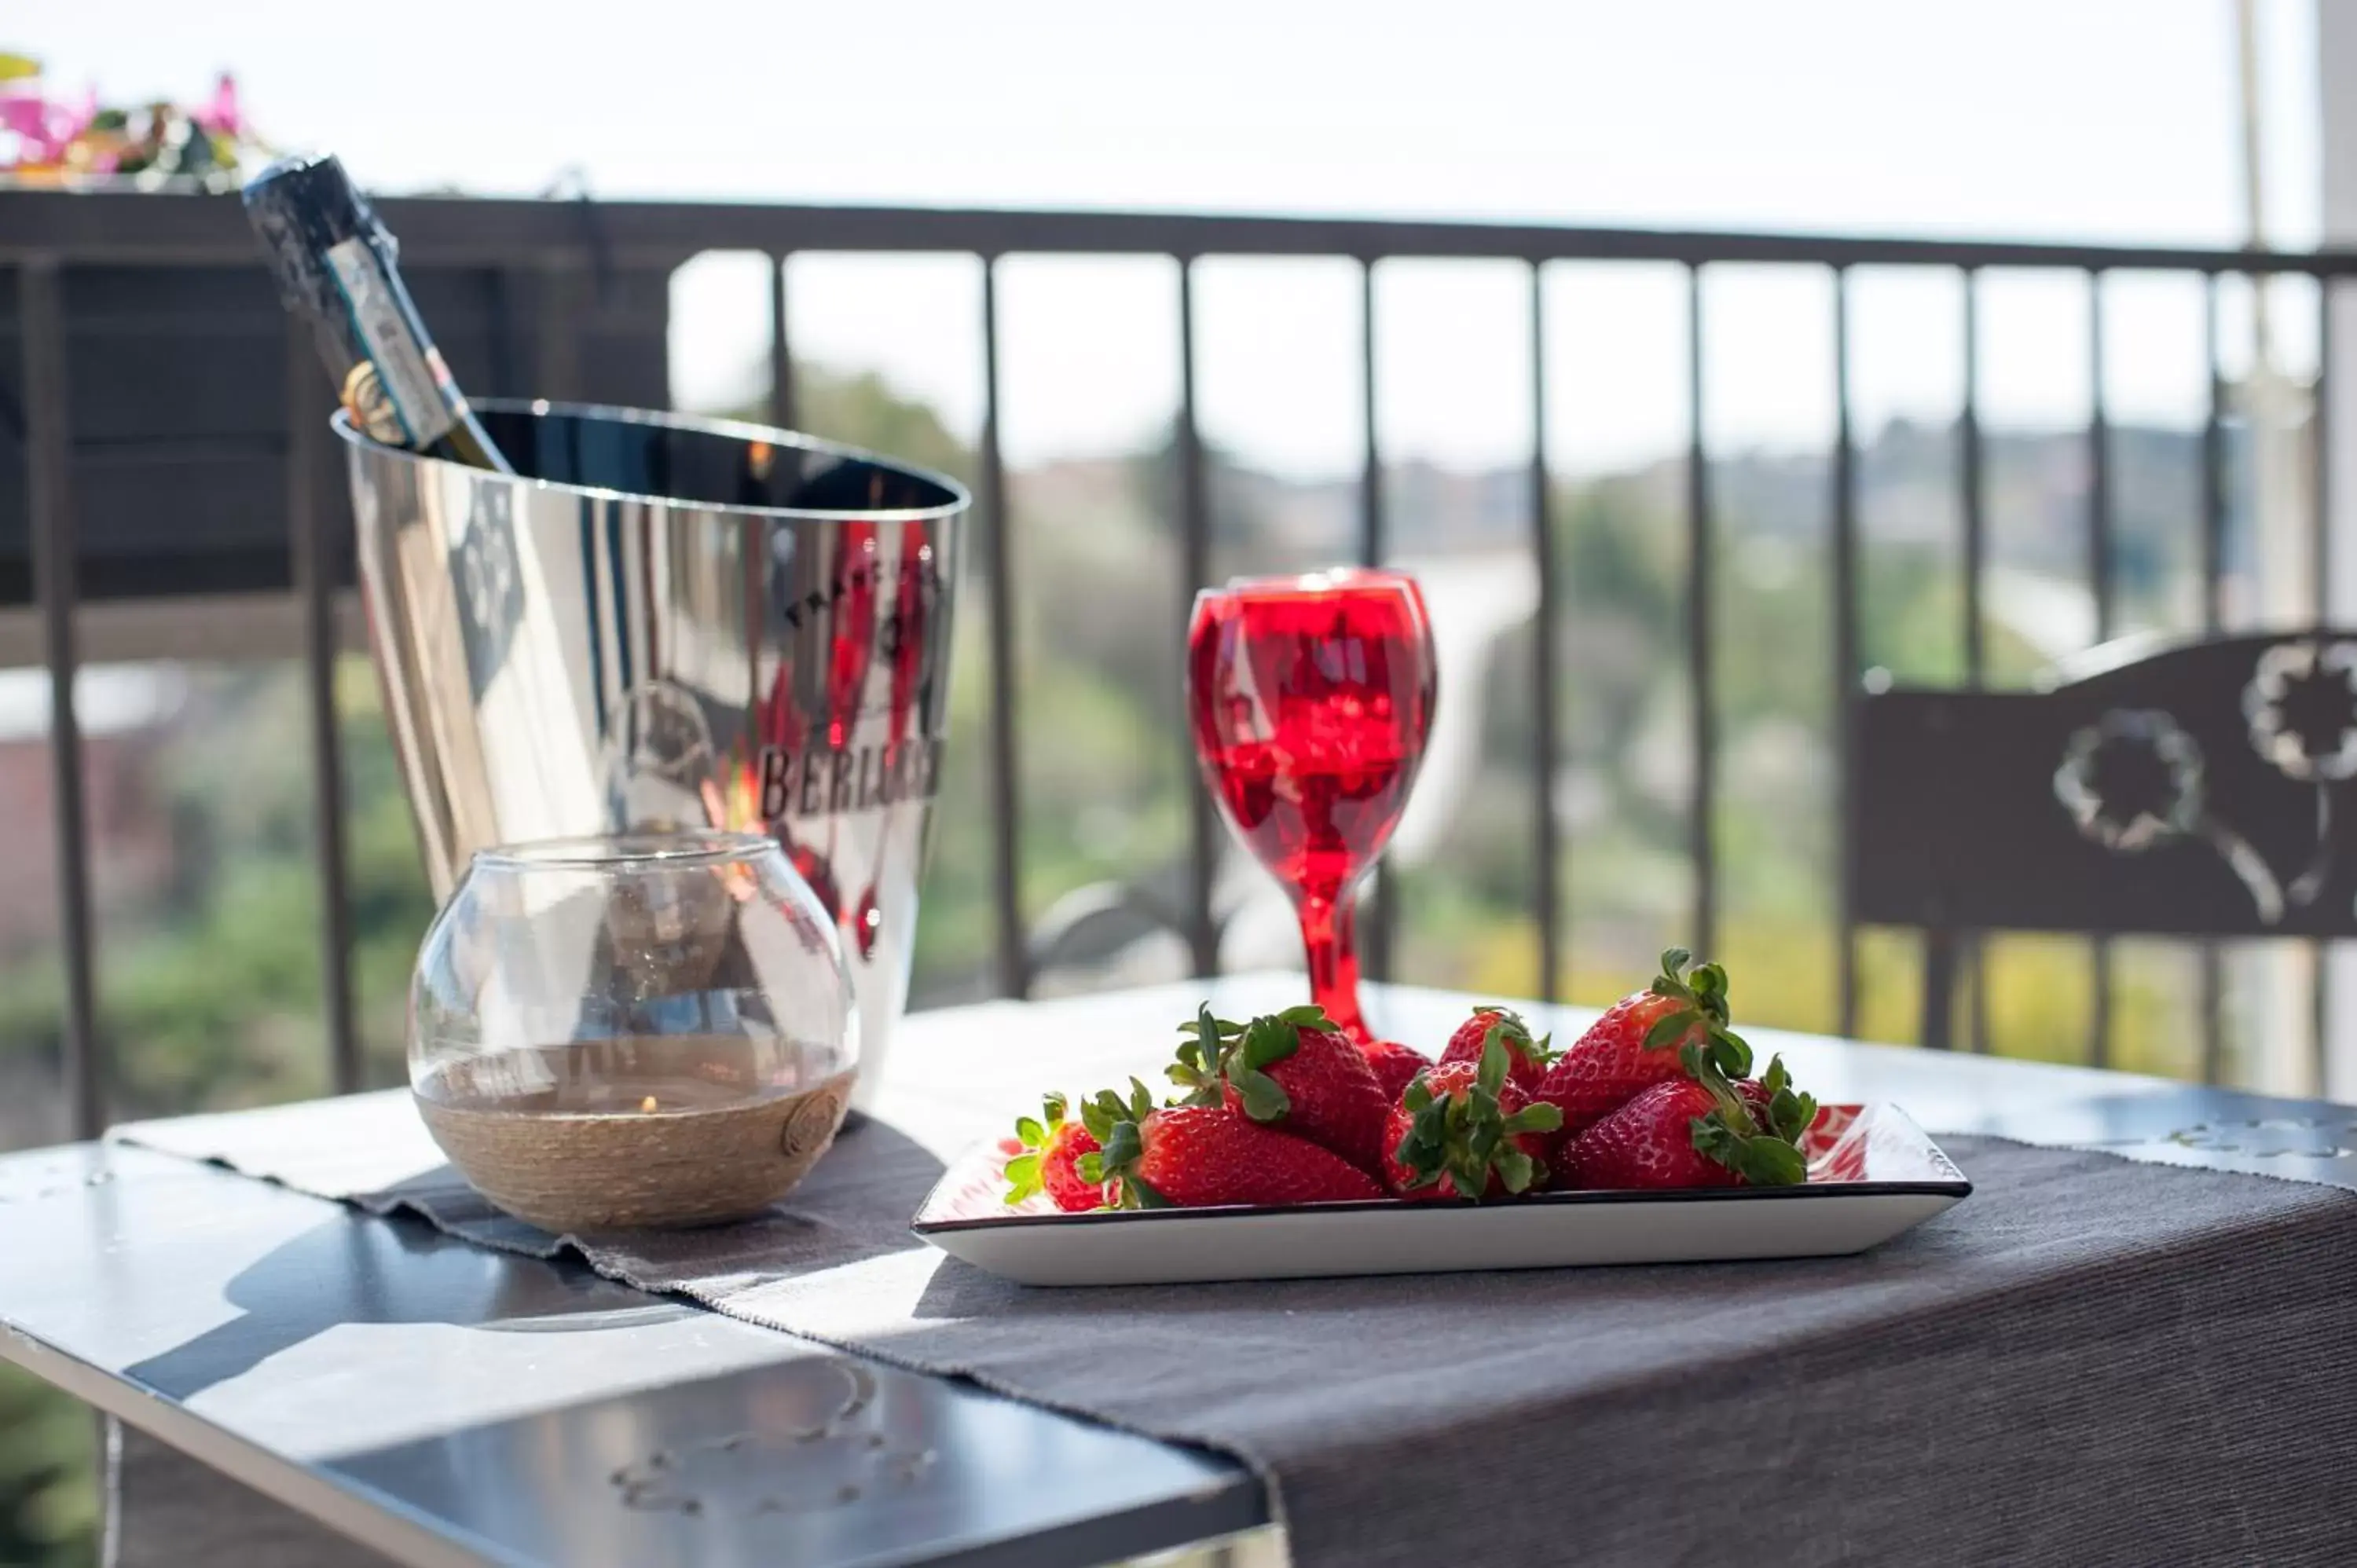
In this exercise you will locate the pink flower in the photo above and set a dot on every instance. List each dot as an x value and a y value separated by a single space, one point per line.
44 129
221 117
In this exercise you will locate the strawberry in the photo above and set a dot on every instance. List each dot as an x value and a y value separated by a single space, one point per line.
1648 1143
1698 1131
1529 1058
1045 1154
1635 1045
1291 1069
1199 1156
1463 1130
1394 1066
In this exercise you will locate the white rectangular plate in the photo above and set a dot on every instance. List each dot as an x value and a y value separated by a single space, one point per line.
1872 1174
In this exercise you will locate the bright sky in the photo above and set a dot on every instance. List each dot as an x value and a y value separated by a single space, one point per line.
2110 119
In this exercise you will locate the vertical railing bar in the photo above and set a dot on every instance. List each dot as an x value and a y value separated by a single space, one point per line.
2319 415
50 492
2319 433
779 411
1014 966
1195 571
1975 494
2213 577
313 561
1549 896
1377 909
1701 685
1371 494
1971 463
499 335
2101 587
783 412
1847 668
2213 472
561 298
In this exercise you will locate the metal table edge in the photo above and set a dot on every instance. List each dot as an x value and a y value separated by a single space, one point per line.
372 1518
1236 1503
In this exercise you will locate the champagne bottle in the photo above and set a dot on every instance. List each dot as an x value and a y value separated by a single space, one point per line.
336 269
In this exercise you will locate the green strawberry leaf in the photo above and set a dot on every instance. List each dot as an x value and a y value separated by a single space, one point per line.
1032 1134
1671 1027
1263 1098
1514 1032
1197 1071
1423 1148
1266 1041
1790 1115
1022 1178
1771 1162
1122 1146
1758 1158
1205 1027
1099 1112
1490 1076
1536 1117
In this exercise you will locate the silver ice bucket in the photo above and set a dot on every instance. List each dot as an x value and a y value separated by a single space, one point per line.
664 622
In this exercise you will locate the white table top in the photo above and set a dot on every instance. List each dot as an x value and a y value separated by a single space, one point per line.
448 1404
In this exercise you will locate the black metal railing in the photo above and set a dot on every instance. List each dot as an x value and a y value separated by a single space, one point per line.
45 237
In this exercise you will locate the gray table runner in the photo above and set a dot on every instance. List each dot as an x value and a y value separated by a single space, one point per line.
2092 1360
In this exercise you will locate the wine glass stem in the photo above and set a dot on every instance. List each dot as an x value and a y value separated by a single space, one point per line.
1328 937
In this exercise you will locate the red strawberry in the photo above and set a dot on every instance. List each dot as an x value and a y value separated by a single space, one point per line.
1046 1153
1636 1044
1465 1130
1396 1064
1694 1132
1648 1143
1291 1069
1198 1156
1529 1058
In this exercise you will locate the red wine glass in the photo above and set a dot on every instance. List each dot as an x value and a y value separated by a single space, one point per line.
1311 699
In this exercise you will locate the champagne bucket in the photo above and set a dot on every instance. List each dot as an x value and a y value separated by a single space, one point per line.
666 623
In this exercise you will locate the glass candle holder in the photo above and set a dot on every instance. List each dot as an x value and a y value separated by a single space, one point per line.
645 1030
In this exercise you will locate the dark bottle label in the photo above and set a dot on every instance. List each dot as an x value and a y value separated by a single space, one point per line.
396 392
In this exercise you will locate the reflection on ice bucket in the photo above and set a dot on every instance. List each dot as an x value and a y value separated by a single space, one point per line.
665 622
